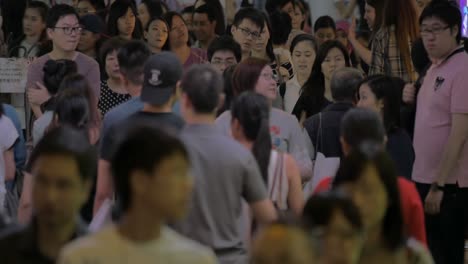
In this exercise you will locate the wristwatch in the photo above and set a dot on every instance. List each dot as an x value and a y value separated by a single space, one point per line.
436 187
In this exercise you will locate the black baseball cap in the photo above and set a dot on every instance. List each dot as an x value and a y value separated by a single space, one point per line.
93 23
161 74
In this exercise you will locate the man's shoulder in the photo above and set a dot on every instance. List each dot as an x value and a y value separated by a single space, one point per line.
182 245
90 245
122 111
86 61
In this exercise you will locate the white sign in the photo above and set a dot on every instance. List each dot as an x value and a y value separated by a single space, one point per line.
13 75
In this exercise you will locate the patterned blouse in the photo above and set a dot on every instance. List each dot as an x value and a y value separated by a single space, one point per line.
110 99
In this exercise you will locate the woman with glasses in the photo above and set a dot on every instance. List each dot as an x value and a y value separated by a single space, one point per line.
178 41
391 46
316 92
122 21
256 75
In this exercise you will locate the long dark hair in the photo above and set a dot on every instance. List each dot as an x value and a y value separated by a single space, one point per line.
253 111
385 88
246 75
378 5
352 168
118 9
168 17
314 87
269 46
72 109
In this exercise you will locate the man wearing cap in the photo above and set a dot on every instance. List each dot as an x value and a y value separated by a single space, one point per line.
93 30
162 72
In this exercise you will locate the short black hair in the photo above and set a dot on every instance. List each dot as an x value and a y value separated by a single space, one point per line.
251 14
109 46
359 125
344 83
209 11
281 27
57 12
447 11
117 10
55 71
274 5
300 38
352 168
67 141
132 58
142 148
224 43
324 22
320 208
203 86
188 9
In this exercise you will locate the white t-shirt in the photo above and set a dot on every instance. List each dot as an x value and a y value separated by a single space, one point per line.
8 137
108 246
291 95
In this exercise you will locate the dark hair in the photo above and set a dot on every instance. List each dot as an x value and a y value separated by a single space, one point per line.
132 58
208 10
300 38
344 84
320 209
219 11
420 58
324 22
276 5
384 88
251 14
352 168
203 86
224 43
41 7
281 27
57 12
143 148
118 9
109 46
447 12
269 46
66 141
1 109
154 7
168 17
315 85
72 109
378 5
228 90
246 75
252 110
55 71
188 9
157 18
359 125
12 13
100 7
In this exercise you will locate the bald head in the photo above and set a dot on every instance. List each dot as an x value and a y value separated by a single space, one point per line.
344 83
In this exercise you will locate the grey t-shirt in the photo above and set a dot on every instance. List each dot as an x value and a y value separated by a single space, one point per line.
224 172
286 136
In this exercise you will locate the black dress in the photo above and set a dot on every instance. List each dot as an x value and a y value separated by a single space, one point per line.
110 99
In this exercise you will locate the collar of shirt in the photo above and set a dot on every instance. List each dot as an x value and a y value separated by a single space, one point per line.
439 62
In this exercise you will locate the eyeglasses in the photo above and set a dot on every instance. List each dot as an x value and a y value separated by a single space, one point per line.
70 30
434 31
246 32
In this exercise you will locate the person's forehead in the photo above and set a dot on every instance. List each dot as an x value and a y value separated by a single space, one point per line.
70 19
224 53
247 22
56 166
200 16
432 21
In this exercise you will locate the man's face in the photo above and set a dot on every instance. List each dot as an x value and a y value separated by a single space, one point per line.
438 37
202 27
246 33
66 34
223 59
59 191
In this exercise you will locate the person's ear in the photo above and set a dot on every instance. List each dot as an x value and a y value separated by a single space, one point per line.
236 128
50 33
385 140
454 31
221 100
380 104
233 29
145 34
345 147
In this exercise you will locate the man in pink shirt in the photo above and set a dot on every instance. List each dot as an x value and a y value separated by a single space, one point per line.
441 130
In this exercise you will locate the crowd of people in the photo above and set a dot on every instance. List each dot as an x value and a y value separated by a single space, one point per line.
235 132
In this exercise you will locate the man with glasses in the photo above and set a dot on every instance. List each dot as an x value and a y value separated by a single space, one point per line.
246 28
64 30
224 52
441 131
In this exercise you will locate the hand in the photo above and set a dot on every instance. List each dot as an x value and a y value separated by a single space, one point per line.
409 93
38 95
352 29
433 201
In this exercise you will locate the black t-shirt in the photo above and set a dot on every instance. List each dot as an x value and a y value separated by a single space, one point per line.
168 121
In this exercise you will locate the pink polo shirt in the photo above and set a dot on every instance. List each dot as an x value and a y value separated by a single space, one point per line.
443 93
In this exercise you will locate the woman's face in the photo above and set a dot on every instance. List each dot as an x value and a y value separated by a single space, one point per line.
179 33
157 34
324 34
334 60
303 58
369 16
262 41
112 65
266 84
370 196
126 23
87 41
342 37
297 18
33 24
143 14
367 99
84 8
342 243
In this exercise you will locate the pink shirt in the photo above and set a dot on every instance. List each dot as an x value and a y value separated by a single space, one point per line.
443 93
